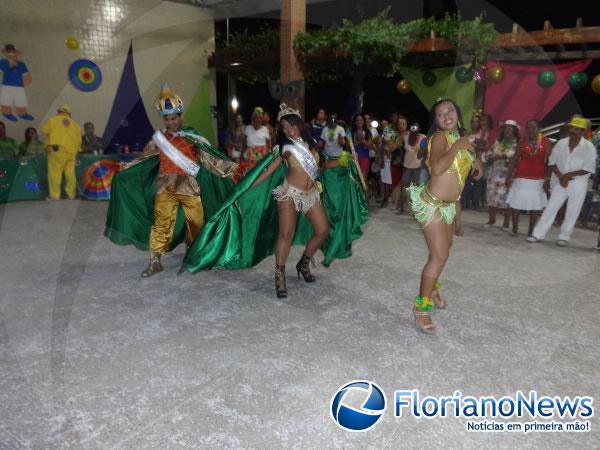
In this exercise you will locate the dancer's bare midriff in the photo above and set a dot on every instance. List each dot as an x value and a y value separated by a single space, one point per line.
445 187
298 178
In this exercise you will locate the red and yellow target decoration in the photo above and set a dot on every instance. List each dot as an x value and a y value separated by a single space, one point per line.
85 75
97 179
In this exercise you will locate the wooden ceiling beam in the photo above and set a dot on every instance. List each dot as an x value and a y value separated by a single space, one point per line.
582 35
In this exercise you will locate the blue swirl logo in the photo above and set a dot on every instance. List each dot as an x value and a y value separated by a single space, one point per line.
367 415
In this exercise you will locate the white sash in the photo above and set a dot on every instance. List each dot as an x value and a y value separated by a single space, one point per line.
304 157
179 159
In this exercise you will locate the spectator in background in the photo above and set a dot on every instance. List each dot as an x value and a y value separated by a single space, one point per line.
397 162
483 143
258 139
332 139
31 146
498 159
63 140
572 161
526 175
392 156
363 143
468 198
596 142
266 121
372 129
412 163
236 138
90 143
317 124
8 146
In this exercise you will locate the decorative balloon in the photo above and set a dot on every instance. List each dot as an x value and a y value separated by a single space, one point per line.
496 74
546 78
577 80
403 86
596 84
429 78
72 43
463 74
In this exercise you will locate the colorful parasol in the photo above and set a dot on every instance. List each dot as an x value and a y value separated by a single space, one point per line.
97 179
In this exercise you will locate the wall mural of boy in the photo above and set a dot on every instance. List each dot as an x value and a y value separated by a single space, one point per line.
14 79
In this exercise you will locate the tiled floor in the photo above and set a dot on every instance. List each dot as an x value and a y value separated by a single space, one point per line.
93 356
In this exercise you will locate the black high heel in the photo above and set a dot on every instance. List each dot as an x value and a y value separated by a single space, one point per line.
280 287
303 268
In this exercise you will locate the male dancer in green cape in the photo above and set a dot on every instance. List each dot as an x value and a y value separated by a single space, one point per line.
181 152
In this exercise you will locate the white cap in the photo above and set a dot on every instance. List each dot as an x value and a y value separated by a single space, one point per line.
511 122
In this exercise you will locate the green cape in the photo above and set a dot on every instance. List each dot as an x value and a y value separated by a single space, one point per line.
241 228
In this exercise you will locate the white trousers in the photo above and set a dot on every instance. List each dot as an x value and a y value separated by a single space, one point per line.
574 194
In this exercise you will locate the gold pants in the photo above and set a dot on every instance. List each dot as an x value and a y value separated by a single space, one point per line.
59 164
165 214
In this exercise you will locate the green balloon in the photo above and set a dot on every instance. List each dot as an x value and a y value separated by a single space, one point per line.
577 80
429 78
463 74
547 78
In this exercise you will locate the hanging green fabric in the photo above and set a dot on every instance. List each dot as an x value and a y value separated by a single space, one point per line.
445 86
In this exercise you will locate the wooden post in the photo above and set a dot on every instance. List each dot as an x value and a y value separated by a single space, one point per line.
293 21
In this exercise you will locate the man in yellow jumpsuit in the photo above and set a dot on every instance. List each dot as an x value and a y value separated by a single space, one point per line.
63 140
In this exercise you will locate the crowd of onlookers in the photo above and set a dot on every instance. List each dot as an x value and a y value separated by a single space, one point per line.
524 169
32 145
63 141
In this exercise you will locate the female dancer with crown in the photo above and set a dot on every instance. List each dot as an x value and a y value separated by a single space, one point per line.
450 160
298 193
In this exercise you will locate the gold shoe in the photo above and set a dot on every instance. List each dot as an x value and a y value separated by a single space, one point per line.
154 267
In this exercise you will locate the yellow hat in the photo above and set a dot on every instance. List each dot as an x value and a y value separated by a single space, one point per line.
64 108
259 109
578 122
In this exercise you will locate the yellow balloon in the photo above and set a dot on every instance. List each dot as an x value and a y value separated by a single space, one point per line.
596 84
403 86
72 43
496 74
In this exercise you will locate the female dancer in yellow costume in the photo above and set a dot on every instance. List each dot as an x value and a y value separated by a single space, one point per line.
450 160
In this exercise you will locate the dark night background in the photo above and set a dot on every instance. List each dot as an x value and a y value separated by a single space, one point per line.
381 96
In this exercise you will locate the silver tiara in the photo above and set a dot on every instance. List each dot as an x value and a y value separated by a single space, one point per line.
285 110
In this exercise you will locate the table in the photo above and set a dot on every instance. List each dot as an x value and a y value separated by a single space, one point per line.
27 178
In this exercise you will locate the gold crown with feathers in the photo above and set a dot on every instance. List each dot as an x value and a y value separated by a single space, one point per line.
168 102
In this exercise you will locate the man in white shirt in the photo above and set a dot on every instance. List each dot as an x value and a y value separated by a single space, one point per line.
572 161
333 139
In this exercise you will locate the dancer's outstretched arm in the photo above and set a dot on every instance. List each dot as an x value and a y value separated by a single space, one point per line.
268 171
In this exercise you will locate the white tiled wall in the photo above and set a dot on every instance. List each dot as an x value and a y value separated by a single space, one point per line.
171 42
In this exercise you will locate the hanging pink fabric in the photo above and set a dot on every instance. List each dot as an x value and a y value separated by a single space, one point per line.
519 96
